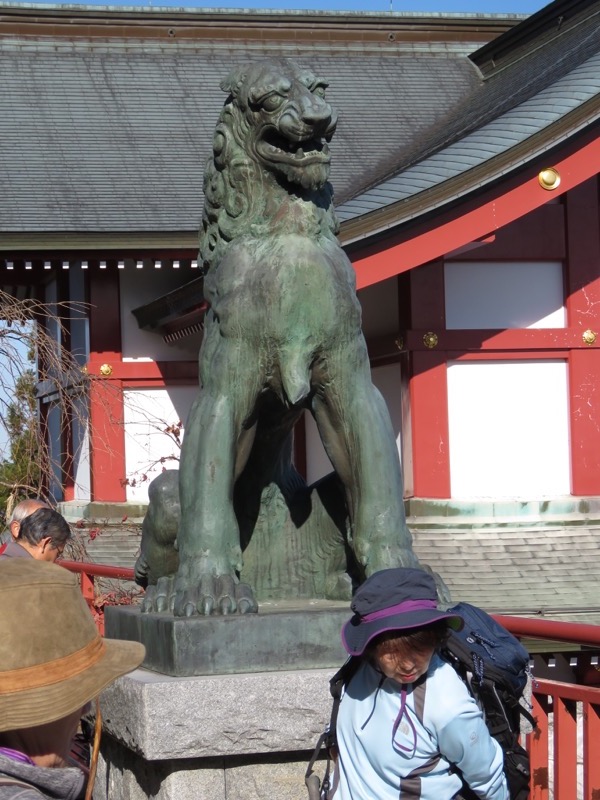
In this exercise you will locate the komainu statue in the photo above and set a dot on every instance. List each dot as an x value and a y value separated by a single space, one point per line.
282 336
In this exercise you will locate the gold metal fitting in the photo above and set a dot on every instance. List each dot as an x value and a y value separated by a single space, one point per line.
106 370
399 342
589 336
549 179
84 369
430 340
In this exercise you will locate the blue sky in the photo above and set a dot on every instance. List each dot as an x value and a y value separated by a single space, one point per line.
405 6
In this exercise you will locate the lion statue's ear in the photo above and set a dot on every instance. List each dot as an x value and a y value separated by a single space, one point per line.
232 83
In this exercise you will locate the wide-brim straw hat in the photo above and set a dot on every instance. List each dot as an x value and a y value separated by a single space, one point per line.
52 659
400 599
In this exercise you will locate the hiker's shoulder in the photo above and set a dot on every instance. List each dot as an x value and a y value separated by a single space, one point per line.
447 695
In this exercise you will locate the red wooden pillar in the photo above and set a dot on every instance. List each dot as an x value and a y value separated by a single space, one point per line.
429 387
583 310
107 435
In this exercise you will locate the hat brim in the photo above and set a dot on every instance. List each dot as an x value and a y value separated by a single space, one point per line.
356 634
31 707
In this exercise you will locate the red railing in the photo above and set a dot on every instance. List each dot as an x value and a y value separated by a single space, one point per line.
563 748
87 574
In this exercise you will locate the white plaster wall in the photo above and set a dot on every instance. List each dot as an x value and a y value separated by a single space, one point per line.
387 380
141 286
508 428
504 294
147 413
81 451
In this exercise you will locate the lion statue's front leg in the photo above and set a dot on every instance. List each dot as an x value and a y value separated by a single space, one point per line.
216 447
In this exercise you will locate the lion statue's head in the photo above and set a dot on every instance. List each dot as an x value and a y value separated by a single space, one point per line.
270 165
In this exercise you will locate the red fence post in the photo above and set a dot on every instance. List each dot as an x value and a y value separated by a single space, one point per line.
591 762
565 748
538 750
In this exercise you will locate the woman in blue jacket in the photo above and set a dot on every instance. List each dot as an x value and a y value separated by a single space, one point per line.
407 723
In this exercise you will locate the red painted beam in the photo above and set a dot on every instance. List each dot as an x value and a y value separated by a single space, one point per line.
157 373
583 298
505 202
429 410
512 339
107 451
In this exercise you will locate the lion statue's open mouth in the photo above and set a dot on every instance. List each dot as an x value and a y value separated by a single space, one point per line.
274 148
282 119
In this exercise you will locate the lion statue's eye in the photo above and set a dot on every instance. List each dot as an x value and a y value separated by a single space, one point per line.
272 102
319 90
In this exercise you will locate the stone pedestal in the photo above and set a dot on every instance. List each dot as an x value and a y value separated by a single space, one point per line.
283 635
222 737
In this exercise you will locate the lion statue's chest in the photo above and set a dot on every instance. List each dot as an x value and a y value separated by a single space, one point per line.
283 283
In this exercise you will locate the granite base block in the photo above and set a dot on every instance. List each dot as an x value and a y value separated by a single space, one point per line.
126 776
279 637
227 737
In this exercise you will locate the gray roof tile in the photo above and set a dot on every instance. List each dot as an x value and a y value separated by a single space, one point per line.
518 570
523 99
112 135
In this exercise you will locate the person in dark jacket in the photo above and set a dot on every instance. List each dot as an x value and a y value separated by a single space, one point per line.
41 534
54 662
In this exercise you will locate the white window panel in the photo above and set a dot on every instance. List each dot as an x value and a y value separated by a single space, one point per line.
147 414
509 428
504 294
387 380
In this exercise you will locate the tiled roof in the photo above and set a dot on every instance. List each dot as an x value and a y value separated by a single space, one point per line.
110 131
510 118
548 571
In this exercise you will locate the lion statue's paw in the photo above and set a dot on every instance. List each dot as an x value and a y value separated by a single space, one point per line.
213 594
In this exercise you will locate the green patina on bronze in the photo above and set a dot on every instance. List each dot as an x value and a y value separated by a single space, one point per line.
283 335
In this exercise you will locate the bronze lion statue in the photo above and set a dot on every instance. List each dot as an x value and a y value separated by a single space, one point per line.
282 336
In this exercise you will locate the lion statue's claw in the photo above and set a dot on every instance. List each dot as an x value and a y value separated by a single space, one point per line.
159 597
214 595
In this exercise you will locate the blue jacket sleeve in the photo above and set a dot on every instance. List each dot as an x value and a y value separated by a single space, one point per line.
466 742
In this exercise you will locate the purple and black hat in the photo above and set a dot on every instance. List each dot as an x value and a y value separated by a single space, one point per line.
393 600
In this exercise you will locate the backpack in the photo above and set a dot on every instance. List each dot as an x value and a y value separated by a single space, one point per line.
494 666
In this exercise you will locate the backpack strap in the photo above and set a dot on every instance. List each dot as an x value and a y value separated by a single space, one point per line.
328 738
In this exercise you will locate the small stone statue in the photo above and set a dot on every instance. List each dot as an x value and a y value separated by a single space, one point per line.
283 335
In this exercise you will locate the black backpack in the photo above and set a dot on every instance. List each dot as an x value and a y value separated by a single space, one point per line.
494 666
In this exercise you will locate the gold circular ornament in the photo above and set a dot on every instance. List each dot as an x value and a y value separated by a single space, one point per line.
430 340
589 336
549 179
106 370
